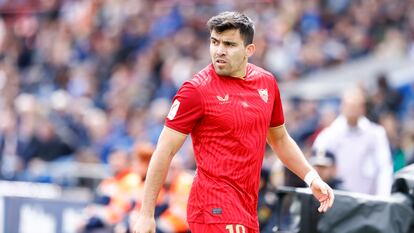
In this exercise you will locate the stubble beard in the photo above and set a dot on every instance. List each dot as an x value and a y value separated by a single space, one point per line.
222 71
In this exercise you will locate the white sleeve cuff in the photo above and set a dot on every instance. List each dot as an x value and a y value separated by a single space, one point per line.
310 177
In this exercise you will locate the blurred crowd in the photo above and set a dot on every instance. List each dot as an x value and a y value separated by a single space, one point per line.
91 81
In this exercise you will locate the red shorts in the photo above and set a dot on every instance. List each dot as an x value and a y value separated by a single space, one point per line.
219 228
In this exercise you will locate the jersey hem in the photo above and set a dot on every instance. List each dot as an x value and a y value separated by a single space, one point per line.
278 126
175 130
256 228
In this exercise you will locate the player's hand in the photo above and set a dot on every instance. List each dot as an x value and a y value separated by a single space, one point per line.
144 224
323 193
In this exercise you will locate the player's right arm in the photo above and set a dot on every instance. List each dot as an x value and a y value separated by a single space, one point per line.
185 112
169 142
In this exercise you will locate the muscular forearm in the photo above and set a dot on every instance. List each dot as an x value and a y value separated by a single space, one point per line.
292 157
289 152
168 144
157 171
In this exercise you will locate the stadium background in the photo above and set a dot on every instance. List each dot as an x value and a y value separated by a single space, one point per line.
85 86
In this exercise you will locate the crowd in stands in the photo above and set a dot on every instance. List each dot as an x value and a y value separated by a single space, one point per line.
91 81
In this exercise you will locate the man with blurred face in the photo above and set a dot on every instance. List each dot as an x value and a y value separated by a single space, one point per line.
353 106
361 148
230 108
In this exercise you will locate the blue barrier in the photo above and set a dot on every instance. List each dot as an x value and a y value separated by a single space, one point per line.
24 214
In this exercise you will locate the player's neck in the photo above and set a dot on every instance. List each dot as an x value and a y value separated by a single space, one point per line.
241 74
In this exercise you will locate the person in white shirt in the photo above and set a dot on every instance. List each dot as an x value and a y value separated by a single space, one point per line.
361 148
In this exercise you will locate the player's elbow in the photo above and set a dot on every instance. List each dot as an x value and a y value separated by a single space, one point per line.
164 152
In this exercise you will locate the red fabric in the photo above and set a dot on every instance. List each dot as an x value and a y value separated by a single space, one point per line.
228 120
220 228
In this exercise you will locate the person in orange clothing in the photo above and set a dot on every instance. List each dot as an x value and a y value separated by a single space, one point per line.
178 183
114 195
120 194
121 189
141 157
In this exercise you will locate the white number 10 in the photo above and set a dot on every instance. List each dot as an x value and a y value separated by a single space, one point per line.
239 228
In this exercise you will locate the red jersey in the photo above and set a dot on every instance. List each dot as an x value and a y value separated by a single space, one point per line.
228 119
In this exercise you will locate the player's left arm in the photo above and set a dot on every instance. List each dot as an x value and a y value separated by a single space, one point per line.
292 157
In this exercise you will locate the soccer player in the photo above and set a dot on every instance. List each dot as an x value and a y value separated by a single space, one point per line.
230 108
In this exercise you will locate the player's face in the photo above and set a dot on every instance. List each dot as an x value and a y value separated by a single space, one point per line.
229 54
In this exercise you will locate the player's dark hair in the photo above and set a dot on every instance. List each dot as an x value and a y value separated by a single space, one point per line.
233 20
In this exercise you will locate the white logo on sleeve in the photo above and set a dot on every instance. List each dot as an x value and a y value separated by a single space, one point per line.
173 110
263 94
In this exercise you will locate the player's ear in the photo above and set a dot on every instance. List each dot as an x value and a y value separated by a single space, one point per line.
250 49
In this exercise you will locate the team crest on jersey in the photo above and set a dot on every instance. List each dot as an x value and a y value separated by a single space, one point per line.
173 110
263 94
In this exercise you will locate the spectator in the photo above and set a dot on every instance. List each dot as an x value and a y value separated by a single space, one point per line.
325 164
360 146
47 144
384 100
114 195
178 186
268 202
120 194
392 128
11 146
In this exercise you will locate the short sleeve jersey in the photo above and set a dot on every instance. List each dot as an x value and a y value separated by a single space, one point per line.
228 119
